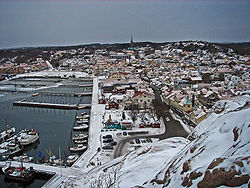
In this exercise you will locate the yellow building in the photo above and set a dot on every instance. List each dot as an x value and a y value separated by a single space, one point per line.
118 75
187 105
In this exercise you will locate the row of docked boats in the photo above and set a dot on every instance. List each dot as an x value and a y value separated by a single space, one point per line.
81 122
80 142
80 139
12 144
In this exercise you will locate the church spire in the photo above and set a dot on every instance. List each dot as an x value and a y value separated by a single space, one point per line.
131 42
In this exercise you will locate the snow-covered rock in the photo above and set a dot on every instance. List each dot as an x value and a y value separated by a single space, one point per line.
217 155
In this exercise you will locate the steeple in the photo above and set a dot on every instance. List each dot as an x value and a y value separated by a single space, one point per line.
131 42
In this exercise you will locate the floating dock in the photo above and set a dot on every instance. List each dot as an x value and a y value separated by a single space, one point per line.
66 94
50 105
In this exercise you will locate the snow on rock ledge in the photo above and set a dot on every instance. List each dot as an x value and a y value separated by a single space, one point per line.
219 153
135 168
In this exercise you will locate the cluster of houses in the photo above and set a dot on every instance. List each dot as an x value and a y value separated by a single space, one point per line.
190 76
128 95
9 68
190 82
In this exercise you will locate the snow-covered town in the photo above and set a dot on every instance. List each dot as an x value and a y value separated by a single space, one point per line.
156 110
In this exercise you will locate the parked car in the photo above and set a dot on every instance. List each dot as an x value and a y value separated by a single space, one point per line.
107 136
118 134
113 143
142 125
124 133
107 147
108 140
167 119
137 141
148 124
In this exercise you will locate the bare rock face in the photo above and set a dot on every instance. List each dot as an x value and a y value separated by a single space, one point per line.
190 177
236 134
221 176
185 167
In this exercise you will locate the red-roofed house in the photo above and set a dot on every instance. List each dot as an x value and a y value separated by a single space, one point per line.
118 75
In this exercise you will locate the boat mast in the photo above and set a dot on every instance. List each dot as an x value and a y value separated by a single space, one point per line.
60 158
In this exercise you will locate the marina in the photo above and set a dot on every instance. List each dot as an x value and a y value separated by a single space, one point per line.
50 110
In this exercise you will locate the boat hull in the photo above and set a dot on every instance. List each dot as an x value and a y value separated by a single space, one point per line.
29 142
78 149
27 176
80 128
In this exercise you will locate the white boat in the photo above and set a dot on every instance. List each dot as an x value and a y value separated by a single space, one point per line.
80 137
85 117
82 121
167 119
78 148
80 141
71 159
23 158
80 127
78 117
7 134
82 116
27 137
35 94
54 161
83 113
10 149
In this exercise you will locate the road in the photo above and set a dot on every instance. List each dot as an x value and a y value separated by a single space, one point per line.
173 128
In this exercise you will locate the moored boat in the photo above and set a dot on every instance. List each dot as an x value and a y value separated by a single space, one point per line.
80 136
27 137
78 148
80 127
7 134
10 149
82 121
35 94
85 116
83 113
71 159
54 161
80 141
23 158
78 117
20 174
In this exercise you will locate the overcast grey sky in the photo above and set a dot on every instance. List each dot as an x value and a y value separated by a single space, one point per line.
26 23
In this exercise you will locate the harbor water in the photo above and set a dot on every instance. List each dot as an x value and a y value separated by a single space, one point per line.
53 125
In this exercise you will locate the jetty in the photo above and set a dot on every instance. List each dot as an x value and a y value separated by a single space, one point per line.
50 105
45 169
65 94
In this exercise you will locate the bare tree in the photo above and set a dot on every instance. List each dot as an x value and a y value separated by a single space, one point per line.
134 111
106 179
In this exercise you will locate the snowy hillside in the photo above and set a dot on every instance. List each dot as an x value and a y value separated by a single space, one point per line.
218 155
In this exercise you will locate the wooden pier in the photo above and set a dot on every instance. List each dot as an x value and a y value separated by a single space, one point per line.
66 94
45 169
49 105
